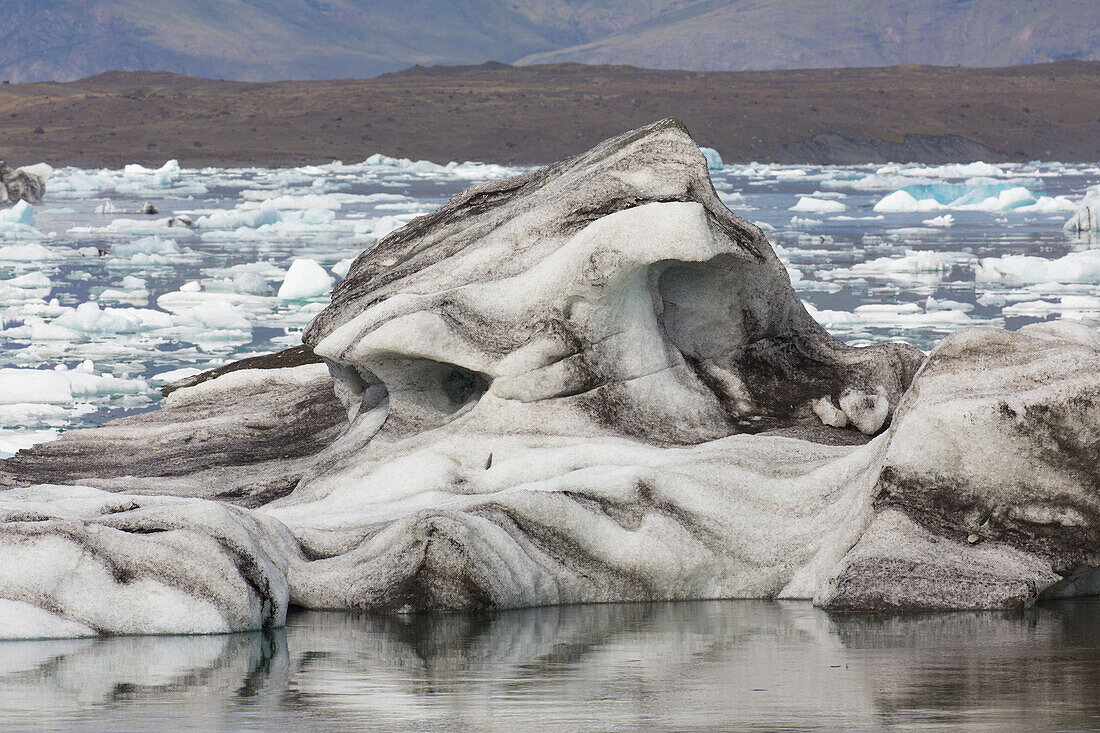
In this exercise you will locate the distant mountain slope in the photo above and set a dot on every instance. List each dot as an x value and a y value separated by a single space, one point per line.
778 34
262 40
294 39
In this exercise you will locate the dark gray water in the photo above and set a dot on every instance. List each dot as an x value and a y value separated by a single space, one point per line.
716 665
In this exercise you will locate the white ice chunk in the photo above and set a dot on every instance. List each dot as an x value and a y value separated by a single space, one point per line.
1067 306
217 315
913 264
341 268
250 282
305 279
866 411
13 441
89 318
50 386
811 205
954 170
153 250
108 207
174 375
40 170
32 286
1078 267
904 202
829 413
932 304
18 221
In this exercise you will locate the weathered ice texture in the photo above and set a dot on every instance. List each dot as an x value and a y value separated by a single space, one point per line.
994 456
23 184
95 562
614 287
245 438
591 382
899 566
551 359
1085 222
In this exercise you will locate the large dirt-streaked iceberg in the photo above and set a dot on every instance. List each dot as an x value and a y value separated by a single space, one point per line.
23 184
591 382
1085 222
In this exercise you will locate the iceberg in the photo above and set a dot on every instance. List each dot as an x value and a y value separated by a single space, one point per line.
925 264
814 205
589 382
32 286
106 564
200 317
977 169
133 179
62 385
23 185
1072 307
148 251
130 290
714 159
1086 219
305 279
995 527
341 268
108 207
17 222
90 318
251 218
1075 267
908 315
266 223
163 177
33 252
215 315
978 195
469 170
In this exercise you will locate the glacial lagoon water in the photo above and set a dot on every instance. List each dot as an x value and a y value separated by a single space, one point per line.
710 665
100 305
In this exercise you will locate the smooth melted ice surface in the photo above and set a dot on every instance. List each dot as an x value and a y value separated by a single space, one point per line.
100 305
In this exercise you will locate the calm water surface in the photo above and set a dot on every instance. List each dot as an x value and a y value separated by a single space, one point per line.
716 665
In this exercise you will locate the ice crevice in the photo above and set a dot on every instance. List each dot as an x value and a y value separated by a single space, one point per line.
591 382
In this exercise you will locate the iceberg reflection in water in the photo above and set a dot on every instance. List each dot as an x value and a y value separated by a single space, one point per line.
685 666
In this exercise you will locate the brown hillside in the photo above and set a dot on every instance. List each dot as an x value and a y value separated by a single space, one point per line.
537 114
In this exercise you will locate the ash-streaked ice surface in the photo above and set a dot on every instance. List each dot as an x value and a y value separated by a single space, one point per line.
591 382
100 305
